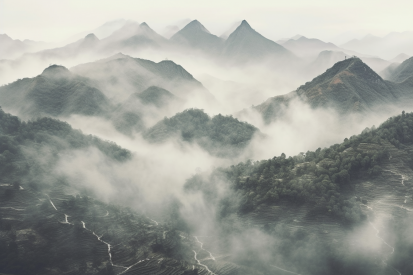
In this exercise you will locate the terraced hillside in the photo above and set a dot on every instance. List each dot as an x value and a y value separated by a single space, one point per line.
55 233
48 226
346 209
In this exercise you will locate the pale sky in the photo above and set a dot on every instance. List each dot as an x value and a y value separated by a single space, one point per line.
57 20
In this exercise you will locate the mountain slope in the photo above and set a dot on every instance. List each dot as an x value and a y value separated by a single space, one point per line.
133 36
326 196
222 136
402 72
400 58
129 116
155 96
120 75
350 86
304 46
245 44
194 35
327 59
56 92
88 45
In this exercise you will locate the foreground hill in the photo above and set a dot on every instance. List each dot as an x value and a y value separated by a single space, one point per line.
56 92
325 197
350 86
46 227
222 136
303 213
49 225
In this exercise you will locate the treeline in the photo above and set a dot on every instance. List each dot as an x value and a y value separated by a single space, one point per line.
20 141
320 177
223 136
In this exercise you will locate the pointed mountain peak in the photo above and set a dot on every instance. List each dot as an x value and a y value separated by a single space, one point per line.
351 67
56 71
144 28
245 24
195 25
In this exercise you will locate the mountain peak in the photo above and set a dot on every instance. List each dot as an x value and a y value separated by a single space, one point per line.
91 37
143 24
56 71
340 86
195 25
245 24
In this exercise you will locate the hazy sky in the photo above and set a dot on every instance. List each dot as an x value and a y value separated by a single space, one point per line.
56 20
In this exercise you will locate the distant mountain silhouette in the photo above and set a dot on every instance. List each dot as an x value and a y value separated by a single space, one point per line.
246 45
304 46
89 44
134 35
13 48
400 58
121 75
194 35
386 47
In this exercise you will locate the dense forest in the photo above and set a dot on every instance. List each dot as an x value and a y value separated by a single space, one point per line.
324 177
49 226
24 144
223 136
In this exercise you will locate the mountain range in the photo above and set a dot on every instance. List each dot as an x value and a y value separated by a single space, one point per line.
388 46
14 48
72 203
121 75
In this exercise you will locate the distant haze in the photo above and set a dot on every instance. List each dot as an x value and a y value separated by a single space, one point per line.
332 21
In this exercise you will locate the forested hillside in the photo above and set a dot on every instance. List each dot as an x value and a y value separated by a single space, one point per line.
324 177
223 136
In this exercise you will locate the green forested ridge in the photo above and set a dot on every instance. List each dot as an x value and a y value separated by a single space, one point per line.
219 135
55 92
323 177
349 86
35 236
16 136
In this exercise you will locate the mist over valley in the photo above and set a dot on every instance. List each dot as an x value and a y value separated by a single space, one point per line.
131 149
